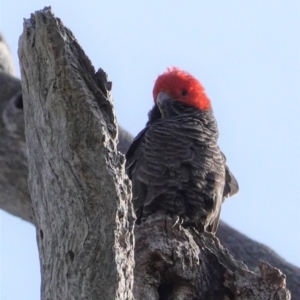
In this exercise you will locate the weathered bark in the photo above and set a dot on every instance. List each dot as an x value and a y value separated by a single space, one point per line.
14 196
174 263
80 193
250 252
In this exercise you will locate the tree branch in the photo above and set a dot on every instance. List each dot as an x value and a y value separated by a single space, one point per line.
174 263
80 193
14 194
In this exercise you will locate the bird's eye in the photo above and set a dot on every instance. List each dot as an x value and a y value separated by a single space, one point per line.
184 92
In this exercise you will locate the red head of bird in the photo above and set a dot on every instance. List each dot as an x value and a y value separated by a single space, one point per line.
183 87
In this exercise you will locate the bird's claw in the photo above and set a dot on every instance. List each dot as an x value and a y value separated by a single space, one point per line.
178 220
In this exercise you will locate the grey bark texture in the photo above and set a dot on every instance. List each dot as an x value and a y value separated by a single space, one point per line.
14 194
15 199
80 193
174 263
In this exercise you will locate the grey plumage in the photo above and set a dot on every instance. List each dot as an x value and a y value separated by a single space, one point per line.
176 166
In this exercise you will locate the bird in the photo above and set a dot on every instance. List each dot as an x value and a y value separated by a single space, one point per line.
175 164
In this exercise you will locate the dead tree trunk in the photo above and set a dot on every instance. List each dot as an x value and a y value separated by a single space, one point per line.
80 194
81 197
173 263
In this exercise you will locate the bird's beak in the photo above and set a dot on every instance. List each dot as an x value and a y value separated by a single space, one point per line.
165 103
161 98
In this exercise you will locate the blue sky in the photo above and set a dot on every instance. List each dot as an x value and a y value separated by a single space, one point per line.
246 54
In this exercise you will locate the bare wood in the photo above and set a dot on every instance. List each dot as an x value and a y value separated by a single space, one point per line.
174 263
14 194
251 252
80 194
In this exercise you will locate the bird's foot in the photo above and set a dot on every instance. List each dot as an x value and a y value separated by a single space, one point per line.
180 220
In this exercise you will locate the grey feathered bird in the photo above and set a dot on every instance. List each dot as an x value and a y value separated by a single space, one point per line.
175 163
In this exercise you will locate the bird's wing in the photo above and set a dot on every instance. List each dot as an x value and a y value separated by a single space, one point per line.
231 187
134 155
213 227
133 152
